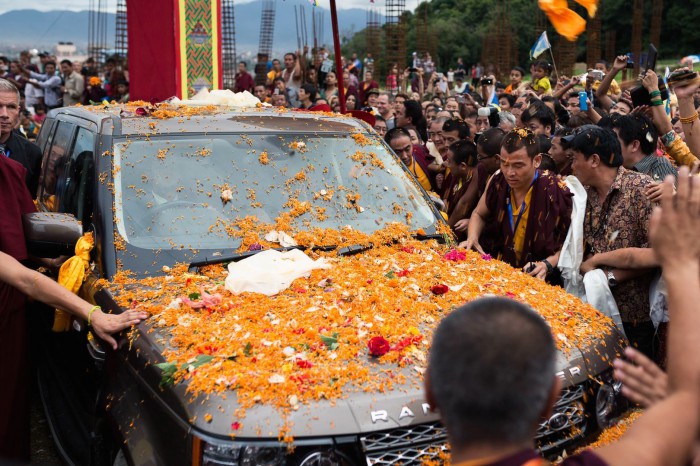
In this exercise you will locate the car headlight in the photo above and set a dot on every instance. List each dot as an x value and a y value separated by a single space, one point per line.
238 454
606 404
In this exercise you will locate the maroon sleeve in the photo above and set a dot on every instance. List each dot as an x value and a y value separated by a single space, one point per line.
586 458
16 202
493 194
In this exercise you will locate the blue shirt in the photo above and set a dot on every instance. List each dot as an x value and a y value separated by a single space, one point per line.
51 85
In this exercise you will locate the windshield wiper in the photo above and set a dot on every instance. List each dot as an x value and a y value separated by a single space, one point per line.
437 236
344 251
245 254
354 249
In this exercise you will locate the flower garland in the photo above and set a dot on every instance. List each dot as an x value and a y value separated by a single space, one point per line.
316 339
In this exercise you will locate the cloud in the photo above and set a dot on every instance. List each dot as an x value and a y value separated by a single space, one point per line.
77 5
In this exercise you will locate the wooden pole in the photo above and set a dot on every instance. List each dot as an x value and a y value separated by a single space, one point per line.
338 61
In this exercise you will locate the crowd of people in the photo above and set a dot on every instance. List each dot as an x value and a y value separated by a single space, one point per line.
556 176
45 83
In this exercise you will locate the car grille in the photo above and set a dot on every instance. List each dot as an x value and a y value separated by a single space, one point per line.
408 446
405 445
567 423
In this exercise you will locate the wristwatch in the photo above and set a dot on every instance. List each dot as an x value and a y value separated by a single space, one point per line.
612 281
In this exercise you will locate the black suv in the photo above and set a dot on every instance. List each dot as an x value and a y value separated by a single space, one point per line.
149 188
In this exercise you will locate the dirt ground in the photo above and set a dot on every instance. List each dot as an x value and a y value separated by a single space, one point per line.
43 449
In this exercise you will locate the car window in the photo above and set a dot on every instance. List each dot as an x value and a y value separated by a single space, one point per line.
55 157
74 191
46 134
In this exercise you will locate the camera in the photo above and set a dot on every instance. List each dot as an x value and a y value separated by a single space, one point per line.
486 81
596 75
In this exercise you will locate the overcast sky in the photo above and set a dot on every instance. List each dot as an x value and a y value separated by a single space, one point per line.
46 5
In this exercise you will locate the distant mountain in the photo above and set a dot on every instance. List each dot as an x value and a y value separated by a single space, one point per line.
36 29
41 30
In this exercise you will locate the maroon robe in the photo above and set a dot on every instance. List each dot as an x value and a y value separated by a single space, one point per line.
549 217
14 407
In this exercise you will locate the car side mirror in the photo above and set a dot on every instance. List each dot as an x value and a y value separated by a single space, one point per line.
51 234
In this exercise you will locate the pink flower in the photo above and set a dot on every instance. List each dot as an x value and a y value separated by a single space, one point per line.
486 257
204 300
455 255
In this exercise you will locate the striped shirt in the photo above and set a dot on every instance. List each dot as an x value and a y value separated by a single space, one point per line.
658 168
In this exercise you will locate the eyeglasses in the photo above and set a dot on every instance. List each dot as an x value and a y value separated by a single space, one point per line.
480 157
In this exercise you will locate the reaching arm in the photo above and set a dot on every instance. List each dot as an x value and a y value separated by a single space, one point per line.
466 204
602 93
476 225
421 84
300 66
563 90
661 120
665 433
686 109
625 258
53 81
44 289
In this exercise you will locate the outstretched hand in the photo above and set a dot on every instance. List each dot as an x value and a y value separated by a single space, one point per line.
620 63
650 81
105 325
686 89
472 244
642 380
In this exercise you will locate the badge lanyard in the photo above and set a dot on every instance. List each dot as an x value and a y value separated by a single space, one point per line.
522 207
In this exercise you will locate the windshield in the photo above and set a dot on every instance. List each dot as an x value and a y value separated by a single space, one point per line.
180 192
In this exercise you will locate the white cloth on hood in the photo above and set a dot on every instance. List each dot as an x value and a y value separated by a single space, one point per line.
270 272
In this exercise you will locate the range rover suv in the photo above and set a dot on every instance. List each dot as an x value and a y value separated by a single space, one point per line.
159 187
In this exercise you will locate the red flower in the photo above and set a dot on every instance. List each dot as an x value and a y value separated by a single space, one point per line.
403 273
304 364
440 289
378 346
235 425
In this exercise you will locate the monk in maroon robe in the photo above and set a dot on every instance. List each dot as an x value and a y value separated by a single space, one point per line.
460 192
14 388
531 209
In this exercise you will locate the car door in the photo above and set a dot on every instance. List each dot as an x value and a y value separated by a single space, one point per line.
69 378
